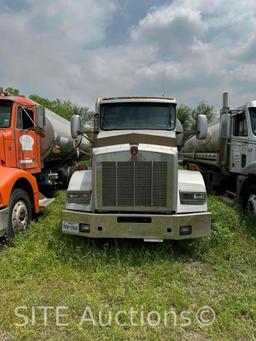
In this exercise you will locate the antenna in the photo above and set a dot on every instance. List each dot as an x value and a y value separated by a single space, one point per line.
163 79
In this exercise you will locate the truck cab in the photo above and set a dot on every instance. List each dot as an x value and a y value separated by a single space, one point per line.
36 154
19 162
134 188
243 139
227 156
19 143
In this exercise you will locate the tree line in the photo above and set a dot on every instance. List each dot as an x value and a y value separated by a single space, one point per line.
188 115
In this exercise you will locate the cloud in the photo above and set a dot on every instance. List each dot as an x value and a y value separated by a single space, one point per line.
44 48
63 48
172 29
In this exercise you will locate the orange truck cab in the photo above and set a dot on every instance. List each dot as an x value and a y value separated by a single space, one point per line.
36 153
19 161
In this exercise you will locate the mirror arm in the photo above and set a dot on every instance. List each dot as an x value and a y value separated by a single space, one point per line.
83 133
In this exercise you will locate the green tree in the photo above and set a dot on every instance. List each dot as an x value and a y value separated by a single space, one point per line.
13 91
184 116
65 108
203 108
188 115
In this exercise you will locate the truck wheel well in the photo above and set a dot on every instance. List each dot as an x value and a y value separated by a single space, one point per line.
26 186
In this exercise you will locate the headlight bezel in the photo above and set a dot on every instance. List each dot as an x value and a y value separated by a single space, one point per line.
193 197
79 197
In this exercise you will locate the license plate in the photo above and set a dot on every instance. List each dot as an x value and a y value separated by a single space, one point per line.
70 227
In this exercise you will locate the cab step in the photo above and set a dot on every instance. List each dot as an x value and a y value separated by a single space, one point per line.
227 200
231 194
229 197
44 202
153 240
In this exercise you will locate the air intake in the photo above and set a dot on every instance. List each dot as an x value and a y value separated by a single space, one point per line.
134 184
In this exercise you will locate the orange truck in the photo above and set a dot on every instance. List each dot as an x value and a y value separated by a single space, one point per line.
37 154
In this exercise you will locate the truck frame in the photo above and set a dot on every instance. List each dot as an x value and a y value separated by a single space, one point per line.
134 188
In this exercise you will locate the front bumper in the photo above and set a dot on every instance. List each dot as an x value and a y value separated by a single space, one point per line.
145 226
4 217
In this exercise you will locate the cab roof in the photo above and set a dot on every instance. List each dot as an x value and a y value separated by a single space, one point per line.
18 99
251 104
162 99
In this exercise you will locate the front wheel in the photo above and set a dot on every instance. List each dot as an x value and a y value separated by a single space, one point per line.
249 202
20 213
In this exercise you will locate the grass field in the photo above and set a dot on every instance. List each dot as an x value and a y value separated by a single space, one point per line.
46 268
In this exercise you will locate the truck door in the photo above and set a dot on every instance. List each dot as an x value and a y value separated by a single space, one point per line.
239 142
27 141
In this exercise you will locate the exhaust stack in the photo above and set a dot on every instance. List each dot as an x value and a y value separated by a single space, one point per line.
225 107
225 100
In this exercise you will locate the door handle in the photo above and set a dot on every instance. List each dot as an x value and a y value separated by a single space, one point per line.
243 160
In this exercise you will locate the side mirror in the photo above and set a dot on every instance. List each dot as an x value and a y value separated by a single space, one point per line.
75 126
96 123
201 127
40 117
225 124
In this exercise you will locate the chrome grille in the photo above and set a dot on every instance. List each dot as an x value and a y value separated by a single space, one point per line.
134 183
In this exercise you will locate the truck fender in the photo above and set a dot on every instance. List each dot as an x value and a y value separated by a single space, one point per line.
80 181
11 178
190 181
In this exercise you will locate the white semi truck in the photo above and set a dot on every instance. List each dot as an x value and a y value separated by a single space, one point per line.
227 157
134 188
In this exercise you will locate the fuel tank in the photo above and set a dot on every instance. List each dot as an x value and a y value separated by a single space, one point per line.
209 145
57 145
179 133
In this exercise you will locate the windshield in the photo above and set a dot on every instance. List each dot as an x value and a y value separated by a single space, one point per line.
252 112
5 114
128 116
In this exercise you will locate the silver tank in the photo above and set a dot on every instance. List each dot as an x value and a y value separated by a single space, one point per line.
208 145
179 133
58 145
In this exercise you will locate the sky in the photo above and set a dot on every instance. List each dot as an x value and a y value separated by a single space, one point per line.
193 50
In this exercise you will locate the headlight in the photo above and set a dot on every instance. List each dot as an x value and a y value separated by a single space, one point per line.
81 197
193 198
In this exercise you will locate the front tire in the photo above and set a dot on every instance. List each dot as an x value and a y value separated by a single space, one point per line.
249 202
20 212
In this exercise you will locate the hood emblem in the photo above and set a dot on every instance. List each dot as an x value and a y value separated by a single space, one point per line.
134 152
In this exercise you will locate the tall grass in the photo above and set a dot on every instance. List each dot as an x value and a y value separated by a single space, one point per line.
48 268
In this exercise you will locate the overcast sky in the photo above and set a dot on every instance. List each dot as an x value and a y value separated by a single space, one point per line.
81 49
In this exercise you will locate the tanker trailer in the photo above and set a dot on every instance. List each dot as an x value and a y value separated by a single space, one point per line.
206 150
59 152
36 153
226 158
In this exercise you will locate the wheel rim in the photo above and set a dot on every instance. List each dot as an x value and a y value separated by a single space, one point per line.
20 216
251 203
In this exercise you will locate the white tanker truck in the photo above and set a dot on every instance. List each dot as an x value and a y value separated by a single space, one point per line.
227 157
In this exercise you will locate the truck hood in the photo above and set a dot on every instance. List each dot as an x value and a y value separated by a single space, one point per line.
153 137
145 183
